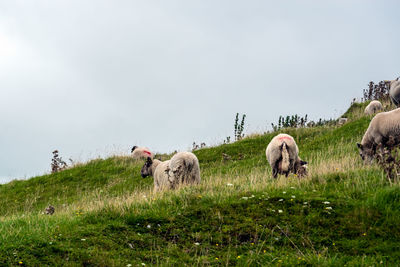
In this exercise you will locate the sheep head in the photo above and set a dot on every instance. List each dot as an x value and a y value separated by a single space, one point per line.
366 153
147 168
133 148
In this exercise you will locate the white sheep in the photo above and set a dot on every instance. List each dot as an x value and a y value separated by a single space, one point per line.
373 107
159 170
184 168
381 128
282 154
394 91
141 153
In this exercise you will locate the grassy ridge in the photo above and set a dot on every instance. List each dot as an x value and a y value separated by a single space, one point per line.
107 215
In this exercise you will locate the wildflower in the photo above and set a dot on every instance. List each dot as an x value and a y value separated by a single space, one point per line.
129 265
197 244
143 264
265 251
292 187
280 200
284 192
228 184
252 196
333 244
216 258
83 239
279 260
238 257
326 202
280 211
252 244
293 196
50 243
148 226
20 262
216 244
364 234
328 208
245 198
305 203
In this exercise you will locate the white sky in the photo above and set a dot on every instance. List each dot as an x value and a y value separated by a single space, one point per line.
92 78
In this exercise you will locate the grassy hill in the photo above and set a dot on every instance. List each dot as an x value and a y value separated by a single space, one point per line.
343 213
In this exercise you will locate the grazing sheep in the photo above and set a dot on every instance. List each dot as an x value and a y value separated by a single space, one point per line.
381 128
159 170
373 107
342 121
394 91
184 169
282 154
141 152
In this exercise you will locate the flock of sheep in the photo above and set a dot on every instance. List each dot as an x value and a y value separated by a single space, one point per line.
282 152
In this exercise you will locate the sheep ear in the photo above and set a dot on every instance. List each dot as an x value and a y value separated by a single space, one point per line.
133 148
302 162
359 145
149 160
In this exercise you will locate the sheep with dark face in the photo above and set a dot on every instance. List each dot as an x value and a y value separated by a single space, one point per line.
159 170
394 91
141 152
382 128
184 168
283 156
373 107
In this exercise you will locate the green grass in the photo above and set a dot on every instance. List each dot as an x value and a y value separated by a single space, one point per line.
343 213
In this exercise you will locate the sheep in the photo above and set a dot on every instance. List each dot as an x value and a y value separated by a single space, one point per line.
394 91
141 152
184 169
381 128
342 121
282 154
159 170
373 107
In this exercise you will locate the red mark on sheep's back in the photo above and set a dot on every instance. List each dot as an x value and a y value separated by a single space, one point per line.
285 138
147 152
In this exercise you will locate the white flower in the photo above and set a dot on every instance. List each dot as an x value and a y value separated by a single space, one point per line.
293 196
83 239
197 244
280 211
326 202
143 264
228 184
281 199
284 192
328 208
129 265
50 243
292 187
148 226
305 203
245 198
252 196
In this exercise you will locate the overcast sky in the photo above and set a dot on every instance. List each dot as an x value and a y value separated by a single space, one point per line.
93 78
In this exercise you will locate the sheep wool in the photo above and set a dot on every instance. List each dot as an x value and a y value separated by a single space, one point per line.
373 107
382 128
141 153
184 168
159 170
394 92
282 154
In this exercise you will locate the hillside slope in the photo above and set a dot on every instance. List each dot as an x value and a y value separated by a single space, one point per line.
107 215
